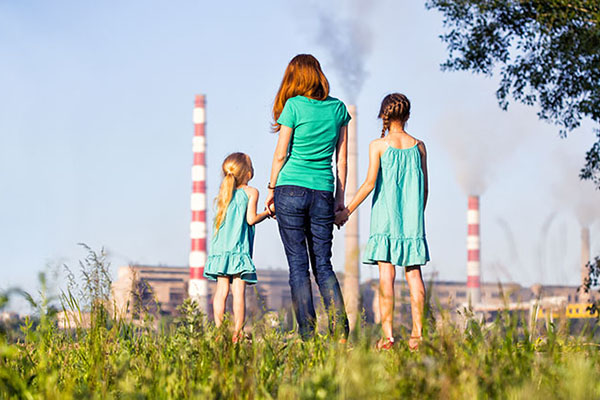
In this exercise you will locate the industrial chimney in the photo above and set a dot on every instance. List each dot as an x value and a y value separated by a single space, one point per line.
198 285
585 259
473 246
352 252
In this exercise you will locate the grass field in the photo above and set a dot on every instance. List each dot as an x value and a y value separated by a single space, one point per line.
189 358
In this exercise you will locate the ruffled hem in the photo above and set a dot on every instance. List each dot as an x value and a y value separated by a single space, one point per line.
230 264
403 252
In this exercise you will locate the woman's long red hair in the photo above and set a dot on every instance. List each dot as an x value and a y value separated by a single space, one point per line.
303 77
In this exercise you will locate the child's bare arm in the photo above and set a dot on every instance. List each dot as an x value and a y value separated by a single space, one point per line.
369 183
251 216
423 152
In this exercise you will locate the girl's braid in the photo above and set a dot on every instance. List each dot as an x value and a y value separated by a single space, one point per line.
386 124
394 107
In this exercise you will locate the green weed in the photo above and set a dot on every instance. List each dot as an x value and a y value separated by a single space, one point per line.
189 358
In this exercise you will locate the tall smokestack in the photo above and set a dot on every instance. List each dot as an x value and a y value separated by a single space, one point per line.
351 271
585 259
473 244
198 286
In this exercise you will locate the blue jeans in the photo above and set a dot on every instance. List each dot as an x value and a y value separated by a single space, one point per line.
305 218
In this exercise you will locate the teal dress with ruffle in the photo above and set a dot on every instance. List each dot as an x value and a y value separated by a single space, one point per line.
397 231
231 246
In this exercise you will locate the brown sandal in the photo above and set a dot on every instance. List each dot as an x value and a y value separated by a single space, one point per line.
385 343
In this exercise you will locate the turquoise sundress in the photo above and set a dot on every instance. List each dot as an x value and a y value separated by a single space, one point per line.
397 232
231 246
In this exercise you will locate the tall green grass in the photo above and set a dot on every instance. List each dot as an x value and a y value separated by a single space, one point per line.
189 358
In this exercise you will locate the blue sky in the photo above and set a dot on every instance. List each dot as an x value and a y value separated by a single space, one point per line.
95 133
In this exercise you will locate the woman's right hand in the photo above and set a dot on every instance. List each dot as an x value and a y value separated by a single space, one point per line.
341 217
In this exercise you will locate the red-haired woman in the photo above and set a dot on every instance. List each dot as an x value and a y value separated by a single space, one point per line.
312 127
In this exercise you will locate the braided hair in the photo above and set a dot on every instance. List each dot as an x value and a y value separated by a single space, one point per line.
394 107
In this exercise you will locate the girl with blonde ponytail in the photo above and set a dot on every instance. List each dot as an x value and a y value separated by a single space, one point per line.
230 259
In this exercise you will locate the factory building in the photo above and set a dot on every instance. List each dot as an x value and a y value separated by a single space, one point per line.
161 289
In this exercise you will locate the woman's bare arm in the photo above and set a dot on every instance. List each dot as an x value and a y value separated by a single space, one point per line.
281 150
279 157
341 168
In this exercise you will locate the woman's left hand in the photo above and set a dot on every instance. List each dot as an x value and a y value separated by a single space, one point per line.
270 202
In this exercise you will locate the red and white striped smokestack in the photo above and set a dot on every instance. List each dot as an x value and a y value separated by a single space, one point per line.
473 247
198 286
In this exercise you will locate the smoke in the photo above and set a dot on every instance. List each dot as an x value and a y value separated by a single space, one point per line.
348 41
510 240
581 197
542 250
513 254
552 249
478 141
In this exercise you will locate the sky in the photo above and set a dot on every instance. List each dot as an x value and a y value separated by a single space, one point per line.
96 132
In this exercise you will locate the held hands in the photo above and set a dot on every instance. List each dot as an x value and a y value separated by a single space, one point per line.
341 217
341 211
270 204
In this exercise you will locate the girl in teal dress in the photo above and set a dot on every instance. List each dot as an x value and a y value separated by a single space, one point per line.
230 258
398 173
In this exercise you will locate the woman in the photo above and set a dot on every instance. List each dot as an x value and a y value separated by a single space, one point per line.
312 126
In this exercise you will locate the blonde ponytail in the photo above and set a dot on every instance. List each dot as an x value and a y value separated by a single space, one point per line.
235 170
224 198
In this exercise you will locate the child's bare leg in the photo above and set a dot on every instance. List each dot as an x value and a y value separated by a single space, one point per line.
220 298
239 305
417 299
387 275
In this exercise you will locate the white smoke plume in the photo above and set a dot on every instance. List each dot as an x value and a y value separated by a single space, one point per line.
581 197
513 254
478 141
542 249
344 31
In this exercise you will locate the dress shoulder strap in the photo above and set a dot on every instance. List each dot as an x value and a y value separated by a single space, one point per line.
419 144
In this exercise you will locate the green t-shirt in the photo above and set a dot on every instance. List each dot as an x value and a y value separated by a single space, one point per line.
316 126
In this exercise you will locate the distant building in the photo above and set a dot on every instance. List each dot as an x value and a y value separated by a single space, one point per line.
73 319
548 300
161 289
141 288
6 316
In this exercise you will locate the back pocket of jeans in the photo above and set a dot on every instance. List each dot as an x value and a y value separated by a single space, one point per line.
322 205
325 196
293 191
